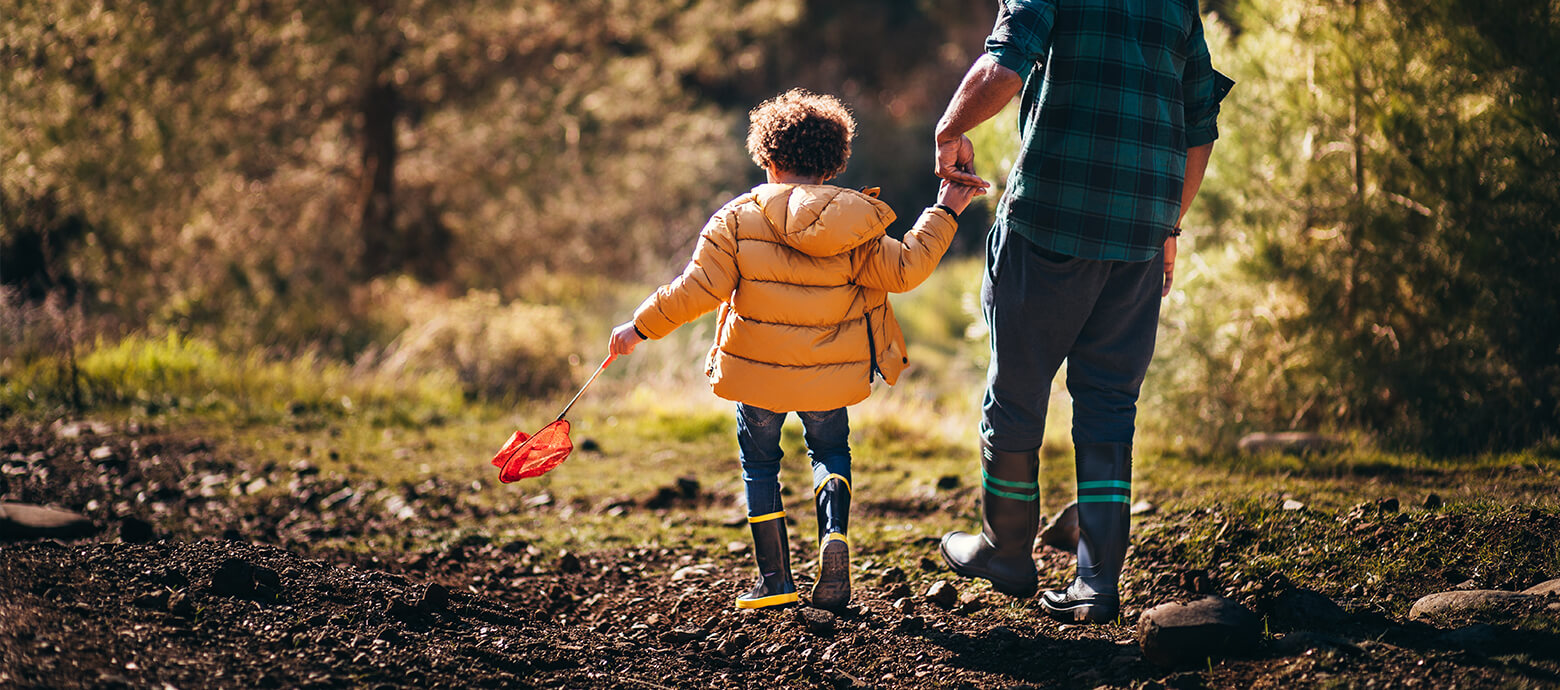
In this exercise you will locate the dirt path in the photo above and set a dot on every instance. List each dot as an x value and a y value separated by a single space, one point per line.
239 598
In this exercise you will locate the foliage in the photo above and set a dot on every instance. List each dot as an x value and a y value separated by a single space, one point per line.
1371 251
1376 236
192 162
498 351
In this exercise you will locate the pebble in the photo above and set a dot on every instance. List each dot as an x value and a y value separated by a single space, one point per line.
688 571
134 530
435 598
239 578
943 593
568 563
817 621
683 635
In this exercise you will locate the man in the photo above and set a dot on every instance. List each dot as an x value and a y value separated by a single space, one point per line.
1118 117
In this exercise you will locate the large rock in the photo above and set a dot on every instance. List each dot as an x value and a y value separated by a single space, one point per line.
1444 604
1544 588
1289 442
1061 532
1190 633
20 521
1301 608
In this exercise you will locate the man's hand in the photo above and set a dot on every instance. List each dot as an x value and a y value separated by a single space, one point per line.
956 162
624 339
1169 265
957 196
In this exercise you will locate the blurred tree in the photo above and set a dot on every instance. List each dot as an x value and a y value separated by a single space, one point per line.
244 166
1389 169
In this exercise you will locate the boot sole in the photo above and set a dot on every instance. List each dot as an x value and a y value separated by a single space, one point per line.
1021 590
766 602
832 590
1081 612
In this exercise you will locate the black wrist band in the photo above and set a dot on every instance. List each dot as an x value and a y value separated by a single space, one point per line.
950 211
639 333
1175 231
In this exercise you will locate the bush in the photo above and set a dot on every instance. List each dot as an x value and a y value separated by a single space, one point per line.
497 351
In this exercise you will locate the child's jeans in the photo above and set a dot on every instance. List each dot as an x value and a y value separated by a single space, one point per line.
758 441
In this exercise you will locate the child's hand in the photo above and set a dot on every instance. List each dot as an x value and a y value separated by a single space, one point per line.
957 196
624 339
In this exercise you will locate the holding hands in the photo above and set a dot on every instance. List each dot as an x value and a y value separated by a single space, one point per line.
956 162
957 195
956 165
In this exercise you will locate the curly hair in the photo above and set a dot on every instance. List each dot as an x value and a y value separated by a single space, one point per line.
801 132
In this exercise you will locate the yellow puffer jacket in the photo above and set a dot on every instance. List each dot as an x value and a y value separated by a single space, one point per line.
801 274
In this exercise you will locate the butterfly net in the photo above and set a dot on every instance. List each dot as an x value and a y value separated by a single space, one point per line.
532 456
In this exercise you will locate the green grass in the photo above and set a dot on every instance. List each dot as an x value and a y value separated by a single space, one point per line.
177 376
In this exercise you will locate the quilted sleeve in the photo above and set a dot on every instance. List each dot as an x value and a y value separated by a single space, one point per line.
708 280
898 266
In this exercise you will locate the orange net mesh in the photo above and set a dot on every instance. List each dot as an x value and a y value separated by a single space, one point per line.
532 456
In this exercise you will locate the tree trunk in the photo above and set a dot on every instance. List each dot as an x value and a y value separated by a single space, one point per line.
378 107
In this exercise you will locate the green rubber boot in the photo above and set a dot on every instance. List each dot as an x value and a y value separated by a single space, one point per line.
1104 516
1010 515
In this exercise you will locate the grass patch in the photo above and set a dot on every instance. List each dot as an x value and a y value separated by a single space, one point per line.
172 375
1365 557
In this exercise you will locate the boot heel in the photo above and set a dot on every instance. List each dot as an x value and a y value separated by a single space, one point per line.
832 590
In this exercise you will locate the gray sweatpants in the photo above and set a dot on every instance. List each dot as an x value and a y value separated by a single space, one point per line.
1043 308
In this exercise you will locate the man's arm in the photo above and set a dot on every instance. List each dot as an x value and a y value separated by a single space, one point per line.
986 89
1196 165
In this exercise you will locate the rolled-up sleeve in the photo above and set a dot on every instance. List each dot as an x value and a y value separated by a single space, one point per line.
1022 34
1203 88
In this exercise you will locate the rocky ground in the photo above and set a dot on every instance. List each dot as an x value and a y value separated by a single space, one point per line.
200 569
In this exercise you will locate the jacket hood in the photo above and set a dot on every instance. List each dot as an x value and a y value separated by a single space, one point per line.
821 219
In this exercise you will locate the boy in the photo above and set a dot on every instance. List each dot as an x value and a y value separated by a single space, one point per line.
800 271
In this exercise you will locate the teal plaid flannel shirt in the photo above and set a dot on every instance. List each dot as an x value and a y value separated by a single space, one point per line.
1115 92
